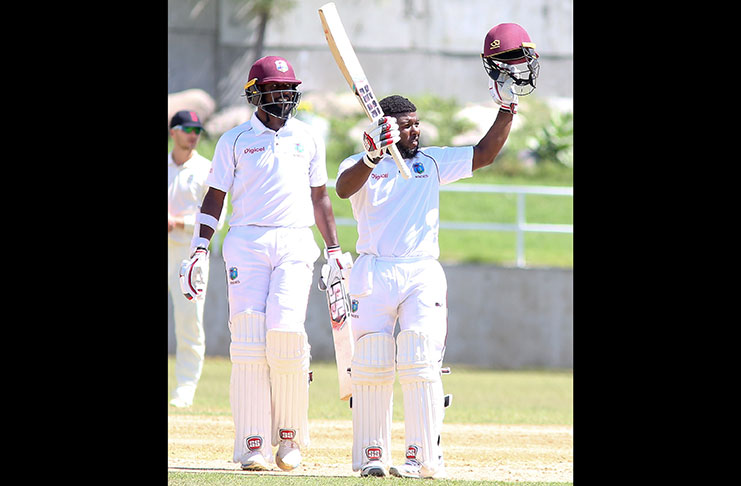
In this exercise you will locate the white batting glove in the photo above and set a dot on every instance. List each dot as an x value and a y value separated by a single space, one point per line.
332 280
379 135
339 262
192 278
503 94
337 267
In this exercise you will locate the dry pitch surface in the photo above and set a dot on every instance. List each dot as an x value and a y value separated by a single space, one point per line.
472 451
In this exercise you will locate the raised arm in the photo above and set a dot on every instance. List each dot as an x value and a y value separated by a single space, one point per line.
489 146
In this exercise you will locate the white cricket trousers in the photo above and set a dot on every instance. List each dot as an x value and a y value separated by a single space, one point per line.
189 335
270 270
412 290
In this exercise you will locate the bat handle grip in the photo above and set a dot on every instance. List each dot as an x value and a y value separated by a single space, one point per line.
403 168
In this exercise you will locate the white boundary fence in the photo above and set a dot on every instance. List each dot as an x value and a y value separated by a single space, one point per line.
521 226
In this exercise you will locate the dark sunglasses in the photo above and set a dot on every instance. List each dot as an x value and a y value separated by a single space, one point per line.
197 130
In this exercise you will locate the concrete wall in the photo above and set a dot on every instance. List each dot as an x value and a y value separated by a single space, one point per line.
506 318
407 47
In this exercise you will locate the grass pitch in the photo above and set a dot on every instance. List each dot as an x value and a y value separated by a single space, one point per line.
504 427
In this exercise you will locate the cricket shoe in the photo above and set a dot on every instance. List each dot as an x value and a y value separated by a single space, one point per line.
409 469
288 456
182 397
435 470
255 462
180 402
373 468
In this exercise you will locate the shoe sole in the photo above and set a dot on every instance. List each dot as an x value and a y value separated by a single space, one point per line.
395 472
373 471
255 466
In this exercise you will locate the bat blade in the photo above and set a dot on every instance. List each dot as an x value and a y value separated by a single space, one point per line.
338 303
346 59
343 349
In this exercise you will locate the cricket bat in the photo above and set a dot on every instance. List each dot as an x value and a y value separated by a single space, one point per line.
339 316
347 61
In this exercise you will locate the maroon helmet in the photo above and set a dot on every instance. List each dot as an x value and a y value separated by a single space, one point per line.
507 47
273 69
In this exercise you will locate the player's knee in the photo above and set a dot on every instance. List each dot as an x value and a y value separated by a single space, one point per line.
418 358
373 359
248 338
287 351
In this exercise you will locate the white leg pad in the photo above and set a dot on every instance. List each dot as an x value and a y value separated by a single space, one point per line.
372 375
249 387
288 355
421 384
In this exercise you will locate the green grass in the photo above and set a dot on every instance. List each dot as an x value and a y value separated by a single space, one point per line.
225 479
532 397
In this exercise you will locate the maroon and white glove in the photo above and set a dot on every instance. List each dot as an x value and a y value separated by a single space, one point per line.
379 135
192 278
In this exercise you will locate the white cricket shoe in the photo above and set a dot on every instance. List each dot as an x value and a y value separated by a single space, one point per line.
288 456
255 462
373 468
409 469
180 402
182 396
437 471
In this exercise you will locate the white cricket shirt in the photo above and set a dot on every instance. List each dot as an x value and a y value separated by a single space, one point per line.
186 186
398 217
268 173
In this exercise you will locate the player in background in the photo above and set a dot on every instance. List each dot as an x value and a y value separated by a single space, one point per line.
275 170
186 176
397 275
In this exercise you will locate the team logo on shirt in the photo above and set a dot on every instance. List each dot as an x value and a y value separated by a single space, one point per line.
354 305
299 147
233 274
418 169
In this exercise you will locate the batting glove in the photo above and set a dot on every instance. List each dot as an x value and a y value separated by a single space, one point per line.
379 135
339 263
192 275
503 94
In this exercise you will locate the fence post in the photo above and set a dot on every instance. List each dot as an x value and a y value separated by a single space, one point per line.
520 229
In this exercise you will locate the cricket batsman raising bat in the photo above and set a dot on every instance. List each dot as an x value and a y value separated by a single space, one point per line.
333 278
396 278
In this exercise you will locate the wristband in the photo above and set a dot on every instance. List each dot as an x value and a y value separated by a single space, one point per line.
207 220
368 162
199 242
330 250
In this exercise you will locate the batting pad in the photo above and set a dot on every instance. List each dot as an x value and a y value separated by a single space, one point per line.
288 357
372 375
249 387
421 384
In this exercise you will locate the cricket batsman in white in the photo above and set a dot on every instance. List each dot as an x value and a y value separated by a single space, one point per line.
397 275
274 167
